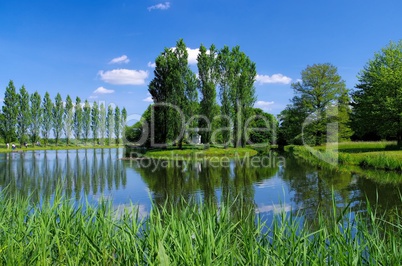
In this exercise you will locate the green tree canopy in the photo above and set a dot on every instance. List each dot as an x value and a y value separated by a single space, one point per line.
24 115
58 115
377 100
36 117
321 99
47 123
68 118
9 113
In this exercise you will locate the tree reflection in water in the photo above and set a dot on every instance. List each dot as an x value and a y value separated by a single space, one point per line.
75 173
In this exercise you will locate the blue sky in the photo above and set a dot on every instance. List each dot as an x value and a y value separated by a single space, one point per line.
103 50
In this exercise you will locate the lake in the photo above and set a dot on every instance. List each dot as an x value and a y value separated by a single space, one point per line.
270 185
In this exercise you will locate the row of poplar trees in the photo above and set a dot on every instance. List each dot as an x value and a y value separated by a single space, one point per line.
28 118
229 72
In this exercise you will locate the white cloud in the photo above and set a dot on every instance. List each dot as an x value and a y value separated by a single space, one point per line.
275 78
150 64
192 55
120 60
263 105
102 90
148 99
161 6
275 208
124 76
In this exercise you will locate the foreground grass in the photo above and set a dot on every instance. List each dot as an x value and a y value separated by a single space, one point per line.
63 234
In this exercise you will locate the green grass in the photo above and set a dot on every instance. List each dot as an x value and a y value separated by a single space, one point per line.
384 155
63 234
195 152
3 148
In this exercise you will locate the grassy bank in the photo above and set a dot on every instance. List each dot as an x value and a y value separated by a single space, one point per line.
195 152
375 155
60 233
3 148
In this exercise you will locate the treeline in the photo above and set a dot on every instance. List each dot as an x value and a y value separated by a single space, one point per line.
28 118
323 109
185 102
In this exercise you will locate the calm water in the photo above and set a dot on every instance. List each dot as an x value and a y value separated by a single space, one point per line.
95 174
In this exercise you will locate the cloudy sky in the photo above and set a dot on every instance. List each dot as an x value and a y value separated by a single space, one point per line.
105 50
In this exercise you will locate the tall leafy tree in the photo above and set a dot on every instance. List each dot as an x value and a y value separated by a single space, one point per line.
102 123
58 121
123 121
242 93
86 120
321 98
36 117
207 76
47 122
78 119
95 121
377 100
261 127
9 113
117 124
173 85
237 75
110 124
225 81
24 115
68 118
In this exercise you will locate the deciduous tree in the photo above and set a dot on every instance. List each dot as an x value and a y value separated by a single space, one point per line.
9 113
321 99
377 100
47 122
36 117
24 116
95 121
86 120
102 123
77 119
68 118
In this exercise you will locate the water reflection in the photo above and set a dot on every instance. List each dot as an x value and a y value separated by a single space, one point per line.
75 173
100 173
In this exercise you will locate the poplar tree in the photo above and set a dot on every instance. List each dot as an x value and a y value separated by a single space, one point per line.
242 93
77 119
68 118
174 84
47 123
109 124
237 93
225 76
102 123
58 123
123 121
36 118
207 78
9 113
95 121
117 124
86 120
24 116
